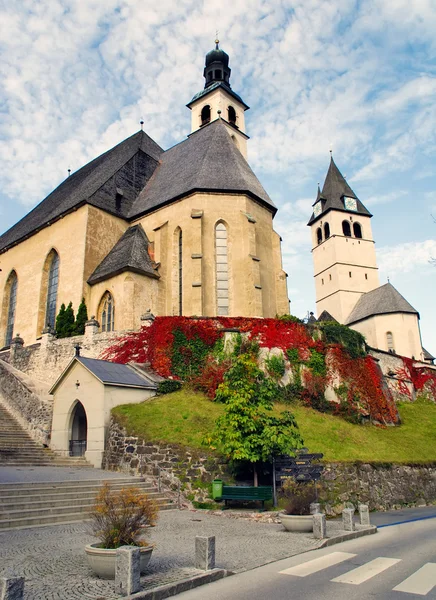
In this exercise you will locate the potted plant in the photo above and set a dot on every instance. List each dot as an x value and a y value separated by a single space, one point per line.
298 497
119 518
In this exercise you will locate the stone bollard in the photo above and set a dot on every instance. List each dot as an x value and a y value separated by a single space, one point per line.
364 514
347 519
319 526
11 588
315 508
127 570
205 552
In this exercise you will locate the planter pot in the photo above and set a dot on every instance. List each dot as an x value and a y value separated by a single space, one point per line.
102 560
297 523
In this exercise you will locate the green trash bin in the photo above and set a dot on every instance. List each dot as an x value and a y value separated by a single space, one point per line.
217 489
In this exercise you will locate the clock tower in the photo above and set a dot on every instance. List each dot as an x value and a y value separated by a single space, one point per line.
342 247
218 101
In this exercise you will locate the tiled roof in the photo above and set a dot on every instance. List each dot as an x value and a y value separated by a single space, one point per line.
326 316
383 300
130 253
207 161
334 189
126 167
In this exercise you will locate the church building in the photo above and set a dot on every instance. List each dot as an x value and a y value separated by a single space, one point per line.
346 273
186 231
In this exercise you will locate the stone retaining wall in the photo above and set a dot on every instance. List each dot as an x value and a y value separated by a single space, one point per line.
381 486
193 469
28 401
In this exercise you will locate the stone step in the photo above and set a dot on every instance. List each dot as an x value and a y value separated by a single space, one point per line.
56 519
43 463
57 508
61 487
68 494
12 504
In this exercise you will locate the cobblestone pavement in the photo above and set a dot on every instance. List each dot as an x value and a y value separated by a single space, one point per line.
53 562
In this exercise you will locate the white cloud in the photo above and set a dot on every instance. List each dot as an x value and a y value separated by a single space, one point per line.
405 258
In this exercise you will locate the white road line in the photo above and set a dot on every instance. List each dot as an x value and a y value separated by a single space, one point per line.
365 572
419 583
318 564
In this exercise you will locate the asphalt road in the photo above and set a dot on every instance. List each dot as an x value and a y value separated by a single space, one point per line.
397 563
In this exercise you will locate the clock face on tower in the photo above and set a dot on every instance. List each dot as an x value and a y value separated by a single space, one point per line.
317 209
350 203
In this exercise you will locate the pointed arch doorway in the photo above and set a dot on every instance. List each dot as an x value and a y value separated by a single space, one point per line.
78 431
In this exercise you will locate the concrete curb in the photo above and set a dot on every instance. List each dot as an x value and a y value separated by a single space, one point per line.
348 535
172 589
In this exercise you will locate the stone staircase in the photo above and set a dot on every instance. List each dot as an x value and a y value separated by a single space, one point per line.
17 448
36 504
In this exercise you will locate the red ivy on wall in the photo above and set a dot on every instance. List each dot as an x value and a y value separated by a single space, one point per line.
154 344
422 378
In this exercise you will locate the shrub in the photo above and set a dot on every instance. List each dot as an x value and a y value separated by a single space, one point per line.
353 341
298 496
275 366
168 386
119 517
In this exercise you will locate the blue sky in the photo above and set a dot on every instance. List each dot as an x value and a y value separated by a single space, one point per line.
355 76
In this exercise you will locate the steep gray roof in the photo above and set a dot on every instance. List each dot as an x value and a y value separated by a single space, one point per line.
325 316
130 253
334 189
427 355
207 161
125 168
110 373
383 300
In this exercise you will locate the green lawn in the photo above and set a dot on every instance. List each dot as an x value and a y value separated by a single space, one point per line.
185 418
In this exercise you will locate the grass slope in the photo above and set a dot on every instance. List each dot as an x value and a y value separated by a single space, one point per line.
185 417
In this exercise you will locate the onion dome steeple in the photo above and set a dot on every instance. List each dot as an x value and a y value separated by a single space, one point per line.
217 66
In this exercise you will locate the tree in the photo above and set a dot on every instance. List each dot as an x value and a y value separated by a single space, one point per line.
248 429
81 318
60 320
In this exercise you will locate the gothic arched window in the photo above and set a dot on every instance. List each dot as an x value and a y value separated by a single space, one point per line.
222 269
319 235
357 229
107 312
205 114
326 231
390 342
11 290
346 228
231 115
52 290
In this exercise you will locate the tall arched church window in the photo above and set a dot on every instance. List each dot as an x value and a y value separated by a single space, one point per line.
390 341
11 290
326 231
231 112
357 229
205 114
107 312
52 291
222 269
346 228
319 235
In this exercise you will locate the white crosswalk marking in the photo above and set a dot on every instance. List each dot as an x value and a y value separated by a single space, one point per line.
365 572
318 564
421 582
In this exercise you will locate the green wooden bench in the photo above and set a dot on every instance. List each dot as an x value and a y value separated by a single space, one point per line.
243 494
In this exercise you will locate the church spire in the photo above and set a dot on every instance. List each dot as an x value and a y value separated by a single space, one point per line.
217 67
